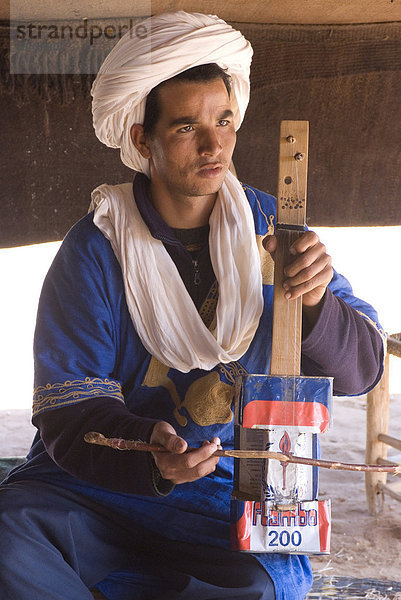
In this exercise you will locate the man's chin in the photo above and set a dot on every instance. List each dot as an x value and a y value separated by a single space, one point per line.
211 185
207 190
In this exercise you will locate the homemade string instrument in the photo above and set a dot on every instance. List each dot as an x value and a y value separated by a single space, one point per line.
275 505
283 412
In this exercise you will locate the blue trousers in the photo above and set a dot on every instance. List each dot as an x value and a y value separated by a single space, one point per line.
56 545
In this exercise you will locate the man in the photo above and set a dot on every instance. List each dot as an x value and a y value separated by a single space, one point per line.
154 304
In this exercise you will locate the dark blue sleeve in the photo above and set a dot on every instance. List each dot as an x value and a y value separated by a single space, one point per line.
76 351
346 343
62 432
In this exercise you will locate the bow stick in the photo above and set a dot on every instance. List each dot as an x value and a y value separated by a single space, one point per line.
93 437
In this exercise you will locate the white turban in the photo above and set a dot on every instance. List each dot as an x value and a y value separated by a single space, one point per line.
156 50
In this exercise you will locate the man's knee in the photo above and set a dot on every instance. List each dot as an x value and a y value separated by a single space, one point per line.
18 523
13 507
41 524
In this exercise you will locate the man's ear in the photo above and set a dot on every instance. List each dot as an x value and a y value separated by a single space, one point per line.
139 140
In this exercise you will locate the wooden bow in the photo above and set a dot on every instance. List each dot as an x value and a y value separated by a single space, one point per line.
93 437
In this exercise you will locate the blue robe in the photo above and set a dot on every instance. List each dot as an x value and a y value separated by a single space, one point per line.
86 346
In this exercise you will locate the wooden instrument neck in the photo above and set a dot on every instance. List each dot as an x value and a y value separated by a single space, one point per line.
290 223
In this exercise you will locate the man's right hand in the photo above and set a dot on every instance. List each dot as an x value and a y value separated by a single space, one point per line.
176 465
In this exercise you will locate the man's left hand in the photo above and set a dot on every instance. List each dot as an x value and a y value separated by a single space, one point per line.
309 273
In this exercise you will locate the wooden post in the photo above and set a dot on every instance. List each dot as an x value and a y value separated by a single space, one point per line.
377 421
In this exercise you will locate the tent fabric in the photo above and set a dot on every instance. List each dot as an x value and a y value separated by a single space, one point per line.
346 80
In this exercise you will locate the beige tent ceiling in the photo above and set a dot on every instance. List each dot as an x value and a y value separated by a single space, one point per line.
250 11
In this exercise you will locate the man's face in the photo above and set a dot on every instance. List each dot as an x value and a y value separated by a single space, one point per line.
193 140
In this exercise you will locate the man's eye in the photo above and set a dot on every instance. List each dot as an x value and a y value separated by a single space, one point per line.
223 122
186 128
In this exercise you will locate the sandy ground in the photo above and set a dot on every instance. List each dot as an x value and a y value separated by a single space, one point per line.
362 546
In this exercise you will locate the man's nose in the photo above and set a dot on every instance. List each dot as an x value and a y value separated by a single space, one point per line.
209 142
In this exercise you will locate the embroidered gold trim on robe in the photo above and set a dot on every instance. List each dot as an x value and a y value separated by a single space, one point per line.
208 400
54 395
266 262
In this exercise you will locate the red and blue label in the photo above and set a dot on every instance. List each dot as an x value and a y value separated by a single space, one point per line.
268 400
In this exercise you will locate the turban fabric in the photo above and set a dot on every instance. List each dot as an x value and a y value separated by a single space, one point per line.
163 46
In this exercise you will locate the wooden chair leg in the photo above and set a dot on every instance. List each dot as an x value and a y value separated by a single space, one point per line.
377 421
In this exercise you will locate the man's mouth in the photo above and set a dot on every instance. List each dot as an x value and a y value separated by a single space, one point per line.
211 170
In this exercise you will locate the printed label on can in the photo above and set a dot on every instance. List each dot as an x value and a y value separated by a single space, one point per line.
258 527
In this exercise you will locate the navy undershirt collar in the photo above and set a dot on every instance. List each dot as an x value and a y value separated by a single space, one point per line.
156 225
188 249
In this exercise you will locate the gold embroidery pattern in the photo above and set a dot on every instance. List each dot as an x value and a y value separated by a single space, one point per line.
208 400
378 329
207 311
232 370
157 376
266 262
70 392
270 228
157 373
269 220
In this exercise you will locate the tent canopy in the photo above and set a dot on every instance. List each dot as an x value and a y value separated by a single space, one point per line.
308 12
334 63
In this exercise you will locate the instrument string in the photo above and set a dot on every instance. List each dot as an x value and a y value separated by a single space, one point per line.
297 304
292 200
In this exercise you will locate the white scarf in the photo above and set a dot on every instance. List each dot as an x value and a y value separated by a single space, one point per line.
160 307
